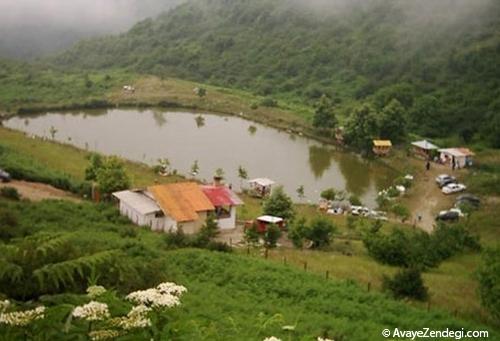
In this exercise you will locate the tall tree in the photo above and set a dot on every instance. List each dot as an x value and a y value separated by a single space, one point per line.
279 204
362 127
392 122
111 176
324 115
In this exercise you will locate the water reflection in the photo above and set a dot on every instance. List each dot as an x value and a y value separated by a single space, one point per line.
200 121
159 117
356 171
320 160
252 130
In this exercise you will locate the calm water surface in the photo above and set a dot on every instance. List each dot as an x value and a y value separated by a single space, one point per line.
216 142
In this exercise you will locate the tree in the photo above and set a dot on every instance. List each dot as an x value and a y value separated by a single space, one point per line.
297 232
362 127
195 168
271 236
489 280
52 132
111 176
301 192
392 122
320 232
208 232
219 173
95 162
200 92
252 235
242 174
406 283
279 204
324 116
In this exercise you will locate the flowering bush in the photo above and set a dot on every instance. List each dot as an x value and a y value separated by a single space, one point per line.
21 318
272 338
93 311
165 295
95 291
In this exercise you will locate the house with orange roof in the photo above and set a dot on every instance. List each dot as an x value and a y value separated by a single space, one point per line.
179 206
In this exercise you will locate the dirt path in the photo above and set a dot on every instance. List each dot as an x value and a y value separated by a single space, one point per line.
36 191
425 197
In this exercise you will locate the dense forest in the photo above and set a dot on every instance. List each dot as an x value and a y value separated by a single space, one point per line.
439 60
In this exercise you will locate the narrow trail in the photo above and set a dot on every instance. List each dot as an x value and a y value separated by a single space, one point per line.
34 191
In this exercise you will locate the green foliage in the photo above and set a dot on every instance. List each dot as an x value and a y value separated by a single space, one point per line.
362 127
392 122
333 194
324 116
489 280
269 102
252 235
401 211
111 176
10 193
319 232
201 92
406 283
271 236
209 231
417 248
279 205
95 163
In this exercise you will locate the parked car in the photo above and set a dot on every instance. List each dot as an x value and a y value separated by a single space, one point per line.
445 179
360 211
468 199
4 176
450 215
453 188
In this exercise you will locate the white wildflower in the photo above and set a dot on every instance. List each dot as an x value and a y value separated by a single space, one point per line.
136 318
171 288
288 328
323 339
272 338
154 298
4 305
93 311
95 291
22 318
97 335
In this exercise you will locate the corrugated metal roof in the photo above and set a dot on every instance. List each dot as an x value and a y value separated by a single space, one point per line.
425 145
382 143
458 152
181 201
270 219
221 196
138 201
262 182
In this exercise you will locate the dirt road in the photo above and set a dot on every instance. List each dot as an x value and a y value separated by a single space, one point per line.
36 191
425 197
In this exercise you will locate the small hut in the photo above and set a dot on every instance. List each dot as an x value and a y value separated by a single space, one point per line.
265 221
382 147
261 187
424 149
462 157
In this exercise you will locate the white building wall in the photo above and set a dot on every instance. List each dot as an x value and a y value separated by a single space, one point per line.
228 223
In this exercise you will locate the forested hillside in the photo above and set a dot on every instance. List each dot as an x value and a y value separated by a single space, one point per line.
440 60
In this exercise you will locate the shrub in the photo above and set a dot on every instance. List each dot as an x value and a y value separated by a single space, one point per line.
320 232
269 102
279 204
401 212
10 193
271 236
406 283
354 200
489 279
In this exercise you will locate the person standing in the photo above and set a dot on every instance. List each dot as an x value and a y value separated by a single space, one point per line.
428 165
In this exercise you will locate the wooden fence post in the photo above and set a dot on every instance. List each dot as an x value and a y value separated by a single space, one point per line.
428 305
305 266
284 260
369 286
327 275
266 252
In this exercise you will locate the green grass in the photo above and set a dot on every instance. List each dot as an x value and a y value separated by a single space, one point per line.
230 296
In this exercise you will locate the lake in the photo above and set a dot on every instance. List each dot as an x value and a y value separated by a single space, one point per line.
215 141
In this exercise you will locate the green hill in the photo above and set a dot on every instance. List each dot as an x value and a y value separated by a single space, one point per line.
441 60
230 297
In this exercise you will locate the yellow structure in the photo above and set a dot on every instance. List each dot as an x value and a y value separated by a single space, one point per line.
382 147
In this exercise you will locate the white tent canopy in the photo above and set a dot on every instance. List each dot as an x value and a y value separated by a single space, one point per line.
426 145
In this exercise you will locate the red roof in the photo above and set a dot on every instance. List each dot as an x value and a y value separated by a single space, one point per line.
221 196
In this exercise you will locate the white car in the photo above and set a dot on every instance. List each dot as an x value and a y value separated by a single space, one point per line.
360 211
453 188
